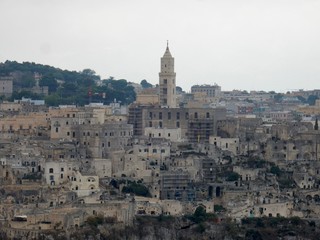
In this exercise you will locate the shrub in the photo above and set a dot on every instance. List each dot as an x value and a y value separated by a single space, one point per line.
232 176
94 221
218 208
136 188
296 221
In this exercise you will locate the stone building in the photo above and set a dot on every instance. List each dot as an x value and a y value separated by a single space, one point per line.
172 134
310 110
6 86
149 96
209 90
94 131
30 124
167 81
101 139
57 172
304 180
176 185
84 184
196 124
225 144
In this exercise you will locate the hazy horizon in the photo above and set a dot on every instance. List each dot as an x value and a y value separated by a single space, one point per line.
244 45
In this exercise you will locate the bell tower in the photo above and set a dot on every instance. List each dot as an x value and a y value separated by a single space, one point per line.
167 81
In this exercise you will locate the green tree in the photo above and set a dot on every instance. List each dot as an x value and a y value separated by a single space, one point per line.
312 99
52 100
302 99
232 176
28 81
25 94
218 208
94 221
200 214
145 84
136 188
50 81
179 89
278 97
88 72
275 170
252 234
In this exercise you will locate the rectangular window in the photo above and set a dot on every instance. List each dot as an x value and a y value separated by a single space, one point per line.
165 81
160 115
169 115
178 115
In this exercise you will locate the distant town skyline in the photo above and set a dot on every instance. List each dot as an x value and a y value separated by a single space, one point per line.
244 45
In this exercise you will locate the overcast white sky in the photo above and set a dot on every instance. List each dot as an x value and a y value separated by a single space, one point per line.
238 44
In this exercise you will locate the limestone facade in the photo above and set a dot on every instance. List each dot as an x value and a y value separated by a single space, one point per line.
167 81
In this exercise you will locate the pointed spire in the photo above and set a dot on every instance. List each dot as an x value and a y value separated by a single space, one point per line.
167 53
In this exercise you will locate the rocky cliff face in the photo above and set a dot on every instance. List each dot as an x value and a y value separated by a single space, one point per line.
163 228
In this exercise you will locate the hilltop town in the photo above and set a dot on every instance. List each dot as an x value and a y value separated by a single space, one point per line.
226 156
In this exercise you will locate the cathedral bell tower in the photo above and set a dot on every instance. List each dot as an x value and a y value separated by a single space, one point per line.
167 81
